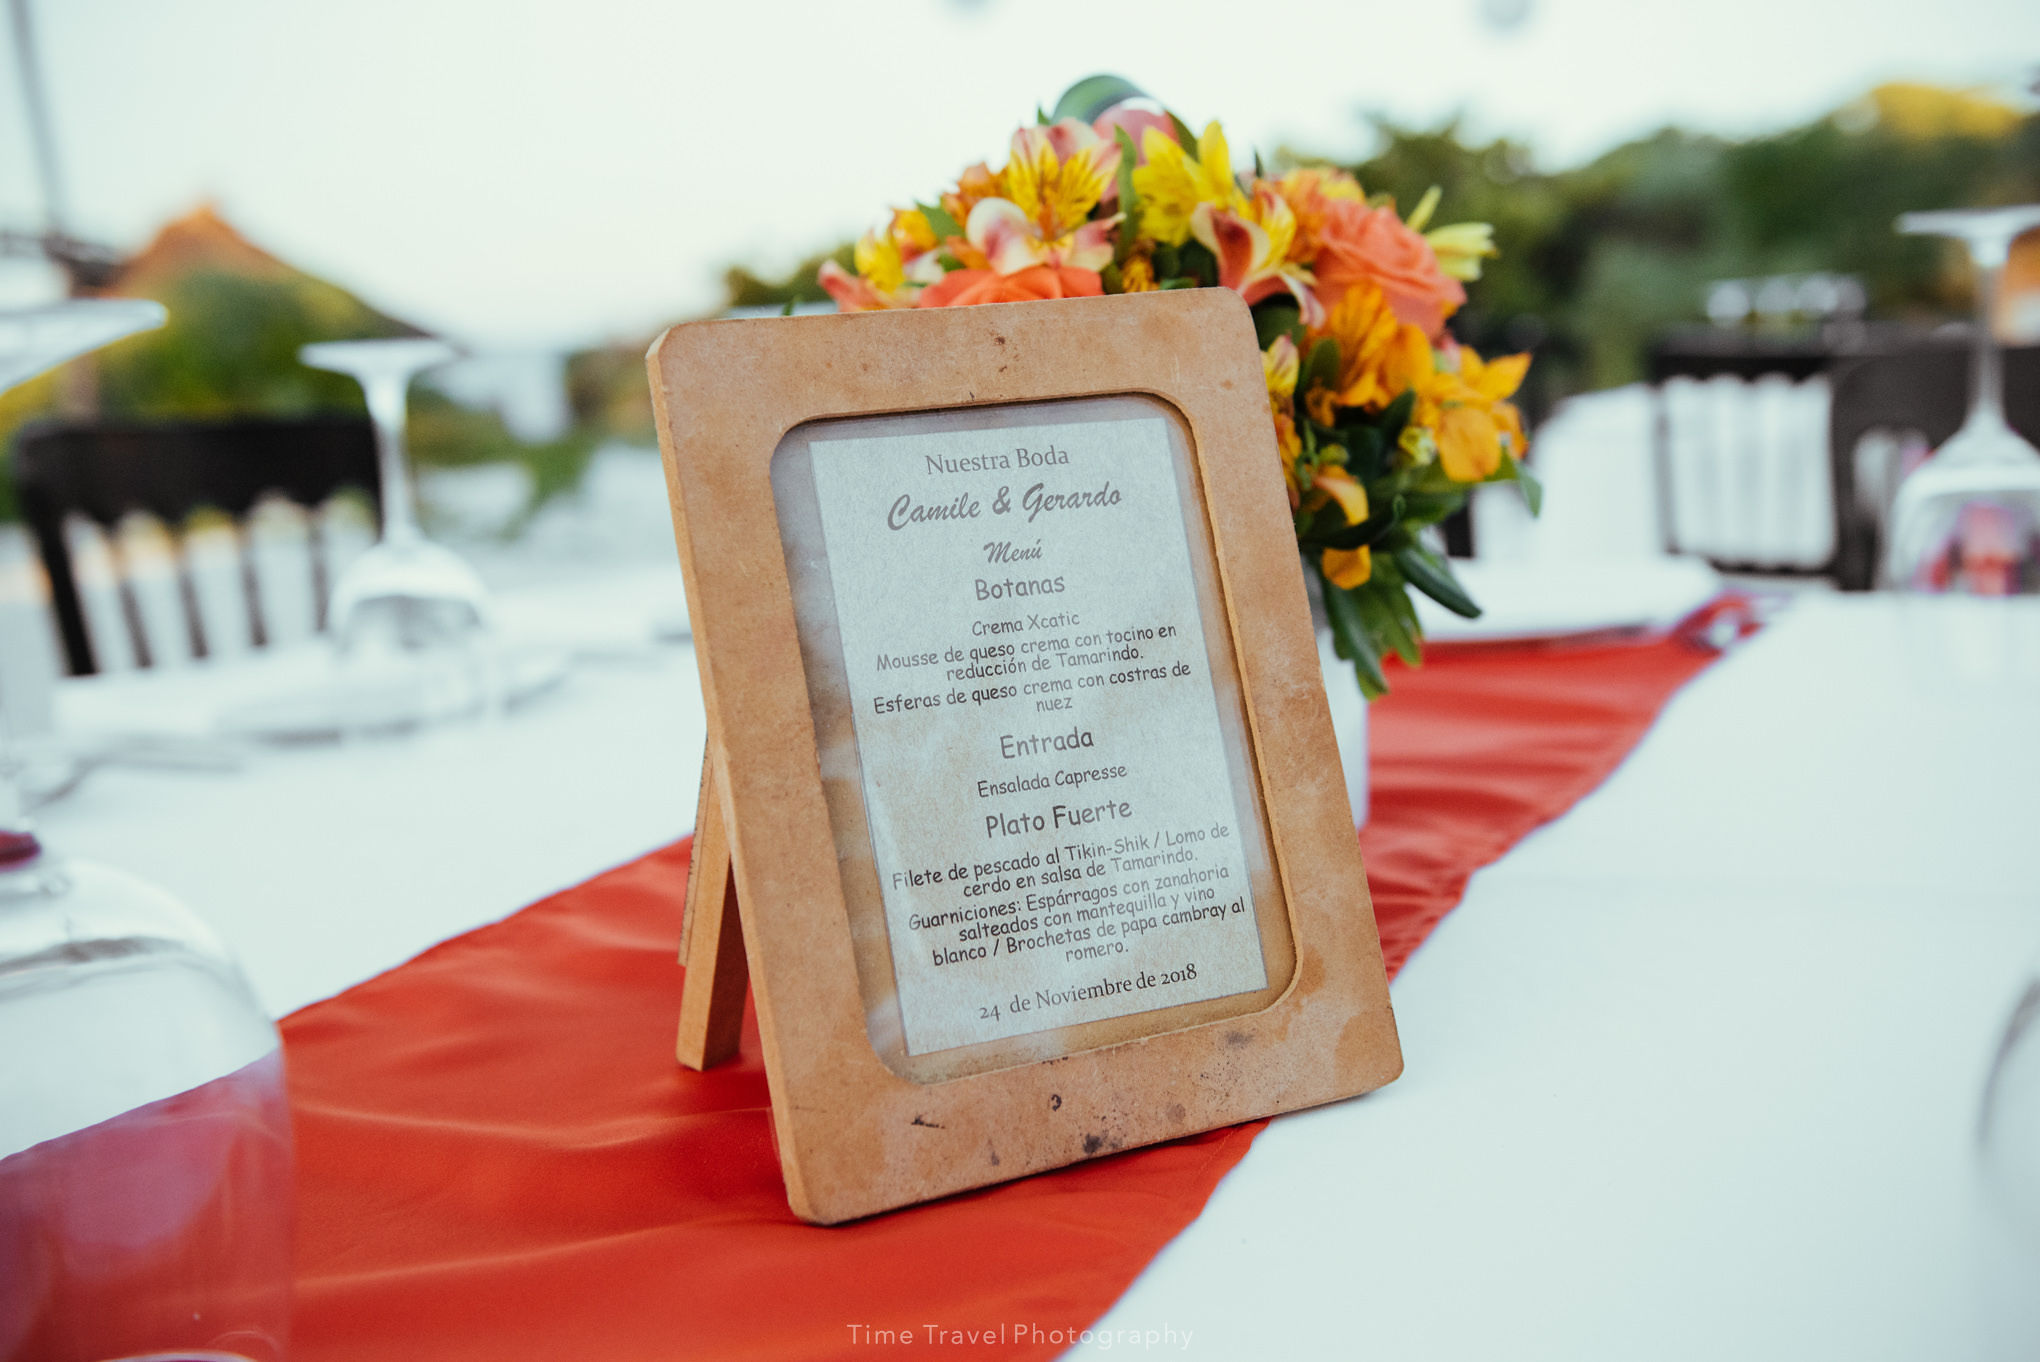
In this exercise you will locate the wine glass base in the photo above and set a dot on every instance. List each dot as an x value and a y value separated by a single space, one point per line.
408 595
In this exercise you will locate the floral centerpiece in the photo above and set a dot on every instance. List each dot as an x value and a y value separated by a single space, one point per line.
1383 421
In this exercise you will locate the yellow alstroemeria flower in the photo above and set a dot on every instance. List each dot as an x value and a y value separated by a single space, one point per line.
1057 175
1379 354
879 262
1461 246
1279 367
1172 182
1252 250
892 266
1348 567
1001 233
1137 274
903 254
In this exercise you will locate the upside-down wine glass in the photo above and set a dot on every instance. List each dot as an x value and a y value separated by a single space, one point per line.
145 1156
406 591
1967 520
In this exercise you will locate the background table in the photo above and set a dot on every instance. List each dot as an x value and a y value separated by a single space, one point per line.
1693 1071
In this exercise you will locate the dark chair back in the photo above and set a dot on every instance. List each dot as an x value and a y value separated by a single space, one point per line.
105 472
1923 388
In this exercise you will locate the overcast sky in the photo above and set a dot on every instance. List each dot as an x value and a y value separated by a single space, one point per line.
521 173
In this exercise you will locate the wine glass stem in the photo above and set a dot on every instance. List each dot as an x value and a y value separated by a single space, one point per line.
1987 382
386 396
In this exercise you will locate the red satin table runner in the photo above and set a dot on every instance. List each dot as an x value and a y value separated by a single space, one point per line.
499 1159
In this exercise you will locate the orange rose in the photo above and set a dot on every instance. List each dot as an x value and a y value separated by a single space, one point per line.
1358 243
962 288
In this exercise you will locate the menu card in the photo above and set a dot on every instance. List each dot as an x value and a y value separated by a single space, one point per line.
1054 826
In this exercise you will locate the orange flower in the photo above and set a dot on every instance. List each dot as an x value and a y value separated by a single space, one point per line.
1380 355
976 183
1345 567
1348 567
1469 442
1335 482
1468 411
1311 194
1252 250
1360 244
962 288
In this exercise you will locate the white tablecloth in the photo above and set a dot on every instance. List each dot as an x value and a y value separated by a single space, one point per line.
1693 1072
325 864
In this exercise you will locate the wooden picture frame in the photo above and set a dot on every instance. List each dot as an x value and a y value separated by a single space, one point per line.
785 887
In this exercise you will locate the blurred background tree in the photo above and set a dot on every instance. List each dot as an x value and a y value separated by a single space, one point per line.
238 317
1597 262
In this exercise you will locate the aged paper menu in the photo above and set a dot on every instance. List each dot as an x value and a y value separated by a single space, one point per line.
1054 826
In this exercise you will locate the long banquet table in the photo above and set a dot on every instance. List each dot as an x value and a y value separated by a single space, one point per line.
1692 1071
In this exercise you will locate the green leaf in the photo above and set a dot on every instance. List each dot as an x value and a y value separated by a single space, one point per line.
1365 452
1093 95
1393 591
1382 621
1367 534
1350 638
787 311
1321 369
938 217
1187 138
1325 523
1275 318
1179 282
1428 508
1129 200
1198 262
1397 415
1432 575
1533 490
